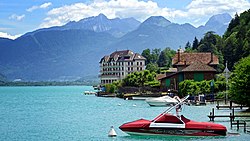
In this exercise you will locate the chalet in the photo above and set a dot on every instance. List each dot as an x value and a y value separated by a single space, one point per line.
192 66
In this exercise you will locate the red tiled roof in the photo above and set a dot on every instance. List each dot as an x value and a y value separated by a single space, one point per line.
198 66
194 57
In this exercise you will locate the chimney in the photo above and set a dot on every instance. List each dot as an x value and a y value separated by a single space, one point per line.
178 55
185 63
212 59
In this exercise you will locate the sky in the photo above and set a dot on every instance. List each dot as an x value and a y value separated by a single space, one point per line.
18 17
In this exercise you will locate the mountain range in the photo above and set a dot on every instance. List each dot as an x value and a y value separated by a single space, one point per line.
73 51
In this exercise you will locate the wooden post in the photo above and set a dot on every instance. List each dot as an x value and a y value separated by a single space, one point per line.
245 126
238 126
233 114
231 121
231 103
213 114
210 116
218 106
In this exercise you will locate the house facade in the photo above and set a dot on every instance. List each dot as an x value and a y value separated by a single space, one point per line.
192 66
119 64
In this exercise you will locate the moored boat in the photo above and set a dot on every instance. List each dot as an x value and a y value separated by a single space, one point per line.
173 125
161 101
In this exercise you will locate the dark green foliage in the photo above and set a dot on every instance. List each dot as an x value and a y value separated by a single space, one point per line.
152 67
237 39
240 82
163 60
191 87
158 58
207 44
139 79
110 88
146 53
195 44
155 54
188 45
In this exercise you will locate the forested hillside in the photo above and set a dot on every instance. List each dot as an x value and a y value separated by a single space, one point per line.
231 47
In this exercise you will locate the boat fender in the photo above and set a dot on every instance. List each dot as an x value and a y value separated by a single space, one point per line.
112 132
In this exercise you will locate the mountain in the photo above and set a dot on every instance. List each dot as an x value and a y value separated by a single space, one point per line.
217 23
116 27
54 55
158 32
73 51
2 78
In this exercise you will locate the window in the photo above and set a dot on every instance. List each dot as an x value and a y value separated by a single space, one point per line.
140 63
137 63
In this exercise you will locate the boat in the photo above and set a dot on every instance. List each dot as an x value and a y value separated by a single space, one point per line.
173 125
161 101
89 92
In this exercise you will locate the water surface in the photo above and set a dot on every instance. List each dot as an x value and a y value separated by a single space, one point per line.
65 113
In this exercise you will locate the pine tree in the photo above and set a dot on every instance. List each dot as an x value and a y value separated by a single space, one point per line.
195 44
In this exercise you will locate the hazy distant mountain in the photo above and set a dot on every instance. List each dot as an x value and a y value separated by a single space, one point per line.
117 27
74 50
2 78
54 55
158 32
217 23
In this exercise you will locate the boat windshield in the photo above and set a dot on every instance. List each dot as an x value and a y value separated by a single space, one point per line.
167 118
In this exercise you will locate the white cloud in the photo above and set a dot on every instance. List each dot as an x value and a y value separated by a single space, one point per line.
140 10
43 6
6 35
17 17
206 8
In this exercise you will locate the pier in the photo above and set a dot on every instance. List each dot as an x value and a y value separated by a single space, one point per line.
238 123
232 116
230 106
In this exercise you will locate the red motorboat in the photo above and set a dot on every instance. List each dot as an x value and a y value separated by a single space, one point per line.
173 125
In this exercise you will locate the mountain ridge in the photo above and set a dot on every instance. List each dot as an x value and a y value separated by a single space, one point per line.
64 54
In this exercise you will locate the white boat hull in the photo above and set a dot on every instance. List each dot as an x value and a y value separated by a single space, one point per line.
161 101
153 103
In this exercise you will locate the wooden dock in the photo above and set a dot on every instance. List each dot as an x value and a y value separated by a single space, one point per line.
232 116
238 123
230 106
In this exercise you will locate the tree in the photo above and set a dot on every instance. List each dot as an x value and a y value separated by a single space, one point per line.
155 55
188 45
207 44
195 44
240 82
163 60
138 79
152 67
147 55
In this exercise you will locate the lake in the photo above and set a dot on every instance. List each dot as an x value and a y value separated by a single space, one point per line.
65 113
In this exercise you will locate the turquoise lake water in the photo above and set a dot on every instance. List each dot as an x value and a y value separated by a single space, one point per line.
64 113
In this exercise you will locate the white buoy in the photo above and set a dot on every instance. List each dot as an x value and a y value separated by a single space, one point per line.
112 132
119 104
134 105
